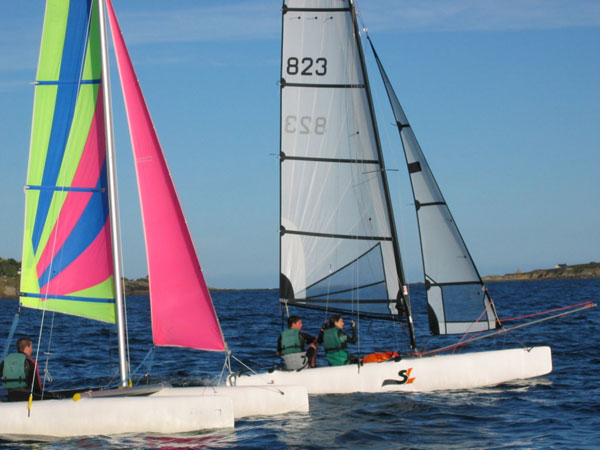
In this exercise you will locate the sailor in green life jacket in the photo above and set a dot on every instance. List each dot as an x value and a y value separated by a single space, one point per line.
291 346
335 341
19 372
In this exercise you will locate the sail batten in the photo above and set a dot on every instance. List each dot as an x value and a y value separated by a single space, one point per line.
181 308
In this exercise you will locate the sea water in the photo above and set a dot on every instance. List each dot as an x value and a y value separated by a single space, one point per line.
559 410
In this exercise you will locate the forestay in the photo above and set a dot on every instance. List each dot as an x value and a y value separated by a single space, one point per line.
337 237
67 257
458 301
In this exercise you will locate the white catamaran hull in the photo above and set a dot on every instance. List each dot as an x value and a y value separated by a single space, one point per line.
116 415
430 373
264 400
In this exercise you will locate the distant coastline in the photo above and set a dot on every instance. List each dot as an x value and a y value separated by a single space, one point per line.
561 272
10 269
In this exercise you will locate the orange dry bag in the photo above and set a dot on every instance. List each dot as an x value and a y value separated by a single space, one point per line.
379 357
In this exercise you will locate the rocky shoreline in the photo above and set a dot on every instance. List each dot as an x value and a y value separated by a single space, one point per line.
563 272
9 278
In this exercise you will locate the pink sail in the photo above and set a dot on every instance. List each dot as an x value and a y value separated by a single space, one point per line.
182 311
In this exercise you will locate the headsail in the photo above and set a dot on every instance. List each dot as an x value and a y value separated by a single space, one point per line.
182 310
338 242
67 258
458 301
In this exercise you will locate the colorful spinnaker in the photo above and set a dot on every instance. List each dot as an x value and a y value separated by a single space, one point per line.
182 311
67 257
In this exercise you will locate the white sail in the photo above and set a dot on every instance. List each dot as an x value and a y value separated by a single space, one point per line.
338 244
458 301
338 238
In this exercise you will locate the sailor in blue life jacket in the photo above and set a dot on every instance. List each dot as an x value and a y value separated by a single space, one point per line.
335 342
291 346
19 372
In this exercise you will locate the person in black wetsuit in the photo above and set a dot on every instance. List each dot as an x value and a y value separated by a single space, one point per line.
19 372
291 346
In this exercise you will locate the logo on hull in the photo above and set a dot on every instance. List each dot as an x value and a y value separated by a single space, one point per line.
404 378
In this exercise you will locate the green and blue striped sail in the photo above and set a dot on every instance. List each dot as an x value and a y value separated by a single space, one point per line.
67 257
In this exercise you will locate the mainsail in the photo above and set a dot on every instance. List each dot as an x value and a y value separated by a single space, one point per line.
182 311
67 257
338 241
458 301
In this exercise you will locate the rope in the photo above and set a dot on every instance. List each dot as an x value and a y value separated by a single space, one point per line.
249 368
464 336
582 306
589 303
226 365
35 365
148 355
48 353
256 373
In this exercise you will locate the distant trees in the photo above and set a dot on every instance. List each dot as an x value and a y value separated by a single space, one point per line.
9 267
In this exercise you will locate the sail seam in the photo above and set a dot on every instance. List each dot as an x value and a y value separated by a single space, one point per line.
66 83
46 297
419 204
456 283
331 160
336 236
286 9
343 268
357 288
318 300
64 188
332 309
315 85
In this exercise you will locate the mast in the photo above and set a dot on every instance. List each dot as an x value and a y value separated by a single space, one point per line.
401 277
112 195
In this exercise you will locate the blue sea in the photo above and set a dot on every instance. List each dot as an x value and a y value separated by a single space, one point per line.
560 410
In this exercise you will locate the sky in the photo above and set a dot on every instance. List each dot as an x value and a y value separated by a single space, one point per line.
504 98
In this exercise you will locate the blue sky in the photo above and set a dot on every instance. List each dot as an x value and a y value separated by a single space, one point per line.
504 98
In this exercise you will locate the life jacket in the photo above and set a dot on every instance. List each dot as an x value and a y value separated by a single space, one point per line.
290 341
14 374
379 356
335 349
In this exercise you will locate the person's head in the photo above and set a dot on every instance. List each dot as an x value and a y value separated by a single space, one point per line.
25 345
336 321
294 322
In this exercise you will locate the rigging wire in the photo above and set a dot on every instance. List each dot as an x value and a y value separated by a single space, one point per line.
579 307
150 354
48 353
232 376
226 365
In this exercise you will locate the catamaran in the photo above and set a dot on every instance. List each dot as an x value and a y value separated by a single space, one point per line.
339 250
71 249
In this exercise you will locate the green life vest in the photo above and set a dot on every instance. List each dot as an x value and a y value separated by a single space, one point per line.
335 347
13 374
290 341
